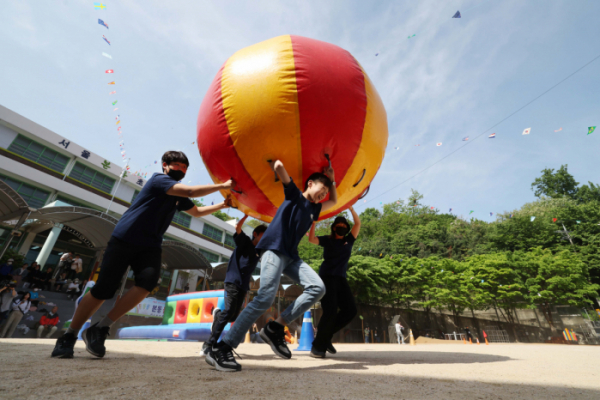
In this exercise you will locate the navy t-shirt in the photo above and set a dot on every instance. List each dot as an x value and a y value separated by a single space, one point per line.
293 219
242 262
336 253
148 218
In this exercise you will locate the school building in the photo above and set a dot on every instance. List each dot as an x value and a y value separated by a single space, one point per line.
58 196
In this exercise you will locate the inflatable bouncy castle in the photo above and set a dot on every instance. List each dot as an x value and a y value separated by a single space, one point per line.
188 316
299 100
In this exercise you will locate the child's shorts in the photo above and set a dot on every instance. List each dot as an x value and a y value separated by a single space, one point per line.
145 263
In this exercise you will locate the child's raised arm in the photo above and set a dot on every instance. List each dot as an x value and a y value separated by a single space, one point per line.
332 192
181 190
240 224
279 169
356 227
207 210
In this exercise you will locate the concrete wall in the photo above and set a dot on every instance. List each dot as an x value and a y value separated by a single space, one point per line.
7 136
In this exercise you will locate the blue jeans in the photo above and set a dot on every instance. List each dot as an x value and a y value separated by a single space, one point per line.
272 265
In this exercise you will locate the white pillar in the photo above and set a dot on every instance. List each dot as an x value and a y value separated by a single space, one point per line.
174 278
49 245
27 242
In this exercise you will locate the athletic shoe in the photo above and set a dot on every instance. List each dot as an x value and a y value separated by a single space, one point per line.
331 349
221 357
205 349
274 335
316 353
94 338
64 346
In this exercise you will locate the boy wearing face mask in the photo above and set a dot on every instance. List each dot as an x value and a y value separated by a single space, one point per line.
337 249
279 254
136 242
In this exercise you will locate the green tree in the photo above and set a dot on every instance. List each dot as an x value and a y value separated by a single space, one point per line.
555 184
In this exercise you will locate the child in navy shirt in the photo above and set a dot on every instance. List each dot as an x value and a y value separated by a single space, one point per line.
279 248
237 280
337 249
136 241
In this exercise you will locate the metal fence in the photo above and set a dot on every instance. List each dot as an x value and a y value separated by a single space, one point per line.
496 335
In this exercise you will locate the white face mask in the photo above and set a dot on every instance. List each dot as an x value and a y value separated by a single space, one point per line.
9 263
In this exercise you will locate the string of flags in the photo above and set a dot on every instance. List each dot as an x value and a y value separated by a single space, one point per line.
526 131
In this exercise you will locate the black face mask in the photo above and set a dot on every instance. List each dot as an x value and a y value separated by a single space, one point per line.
341 230
176 174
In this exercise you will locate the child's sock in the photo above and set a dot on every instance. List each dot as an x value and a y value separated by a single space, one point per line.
105 322
75 332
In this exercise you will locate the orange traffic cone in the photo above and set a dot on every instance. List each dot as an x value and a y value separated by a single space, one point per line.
486 342
412 338
477 340
464 340
470 341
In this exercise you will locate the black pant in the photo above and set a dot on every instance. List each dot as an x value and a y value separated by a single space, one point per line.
337 295
234 300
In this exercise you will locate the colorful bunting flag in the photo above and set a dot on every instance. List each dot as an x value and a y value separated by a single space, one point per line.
465 139
439 144
114 102
457 15
376 54
99 6
105 39
492 136
471 212
578 221
491 214
116 109
511 215
558 130
532 218
111 83
591 129
102 23
526 131
450 210
433 208
109 71
113 92
107 55
553 219
118 122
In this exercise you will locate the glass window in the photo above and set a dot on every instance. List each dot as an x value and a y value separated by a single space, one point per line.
182 218
212 232
92 177
40 154
135 194
34 197
211 257
229 240
72 202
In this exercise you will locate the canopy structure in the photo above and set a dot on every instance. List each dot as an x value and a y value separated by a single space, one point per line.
179 255
12 205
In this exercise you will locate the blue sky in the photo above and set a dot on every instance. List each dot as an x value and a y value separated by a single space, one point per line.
455 78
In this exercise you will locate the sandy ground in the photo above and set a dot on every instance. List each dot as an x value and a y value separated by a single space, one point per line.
168 370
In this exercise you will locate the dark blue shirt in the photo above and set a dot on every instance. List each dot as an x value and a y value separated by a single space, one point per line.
293 219
242 262
336 253
148 218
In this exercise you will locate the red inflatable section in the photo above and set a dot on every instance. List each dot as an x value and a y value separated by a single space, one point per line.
207 308
181 311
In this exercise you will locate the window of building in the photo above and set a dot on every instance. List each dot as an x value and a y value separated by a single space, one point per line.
37 153
135 194
71 202
182 218
212 232
34 197
229 240
211 257
224 259
92 177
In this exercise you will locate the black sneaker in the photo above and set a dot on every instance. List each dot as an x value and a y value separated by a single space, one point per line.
331 349
274 335
94 338
316 353
64 346
221 357
205 348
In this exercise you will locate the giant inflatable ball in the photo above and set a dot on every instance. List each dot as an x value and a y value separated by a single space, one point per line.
298 100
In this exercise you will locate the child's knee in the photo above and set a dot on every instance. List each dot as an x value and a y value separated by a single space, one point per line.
319 290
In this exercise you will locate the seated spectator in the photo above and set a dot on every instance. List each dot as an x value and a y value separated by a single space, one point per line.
73 291
48 322
60 282
46 277
6 270
19 308
7 294
20 274
33 276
